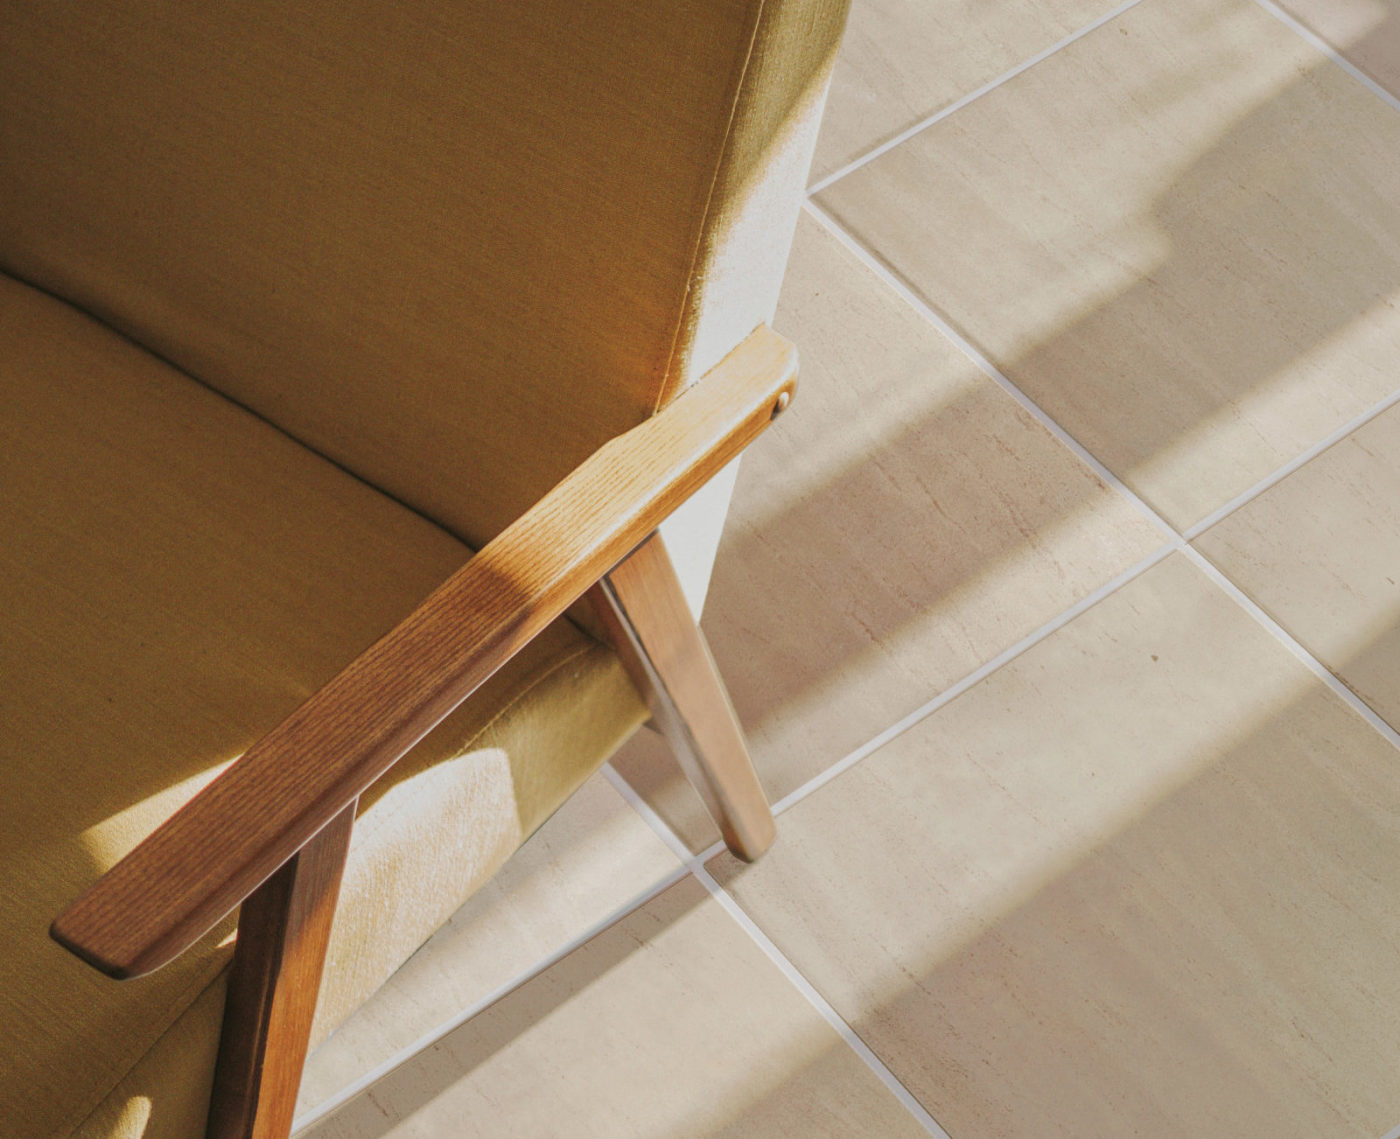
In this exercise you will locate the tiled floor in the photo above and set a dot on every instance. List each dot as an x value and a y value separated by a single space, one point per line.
1062 611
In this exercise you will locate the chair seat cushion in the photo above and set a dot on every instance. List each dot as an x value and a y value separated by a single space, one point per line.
176 575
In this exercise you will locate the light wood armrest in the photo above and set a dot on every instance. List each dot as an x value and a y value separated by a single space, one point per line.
232 836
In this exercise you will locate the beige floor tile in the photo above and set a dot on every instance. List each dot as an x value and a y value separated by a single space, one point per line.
1138 882
1180 235
899 527
646 762
590 859
669 1024
902 60
1366 32
1321 553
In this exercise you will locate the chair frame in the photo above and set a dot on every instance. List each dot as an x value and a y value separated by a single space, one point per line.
273 830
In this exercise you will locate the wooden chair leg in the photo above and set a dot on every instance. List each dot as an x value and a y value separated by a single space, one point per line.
283 929
641 604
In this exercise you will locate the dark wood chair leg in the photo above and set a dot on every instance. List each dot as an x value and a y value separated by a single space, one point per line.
283 929
641 604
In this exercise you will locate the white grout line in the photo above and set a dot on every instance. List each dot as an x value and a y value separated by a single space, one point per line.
950 694
877 266
832 1017
432 1036
1291 643
710 851
776 955
1288 468
937 116
1180 542
1329 51
1176 540
658 825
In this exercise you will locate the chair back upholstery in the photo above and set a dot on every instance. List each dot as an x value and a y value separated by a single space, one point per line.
452 245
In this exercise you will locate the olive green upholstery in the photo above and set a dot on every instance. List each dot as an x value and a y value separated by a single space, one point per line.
298 302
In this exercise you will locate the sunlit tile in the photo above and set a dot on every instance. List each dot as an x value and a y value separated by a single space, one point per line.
1366 32
1138 882
902 524
592 857
1320 551
903 60
1180 235
670 1024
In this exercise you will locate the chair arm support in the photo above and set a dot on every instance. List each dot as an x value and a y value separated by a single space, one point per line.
232 836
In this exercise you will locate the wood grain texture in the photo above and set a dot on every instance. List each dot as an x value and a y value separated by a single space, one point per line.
234 834
645 610
283 930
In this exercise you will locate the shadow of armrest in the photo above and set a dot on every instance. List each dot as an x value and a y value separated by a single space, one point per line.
231 837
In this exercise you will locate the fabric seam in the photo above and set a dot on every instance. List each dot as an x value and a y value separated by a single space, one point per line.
667 390
200 989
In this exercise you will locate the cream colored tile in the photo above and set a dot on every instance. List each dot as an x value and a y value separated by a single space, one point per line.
1321 553
1366 32
1138 882
903 60
591 858
902 524
672 1023
1180 235
647 763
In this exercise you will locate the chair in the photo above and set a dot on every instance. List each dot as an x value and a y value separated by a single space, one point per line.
300 305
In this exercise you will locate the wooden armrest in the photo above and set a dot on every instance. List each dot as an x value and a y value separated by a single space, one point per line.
233 835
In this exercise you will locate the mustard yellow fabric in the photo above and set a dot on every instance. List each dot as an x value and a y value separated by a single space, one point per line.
446 244
166 1094
748 230
176 575
453 246
760 181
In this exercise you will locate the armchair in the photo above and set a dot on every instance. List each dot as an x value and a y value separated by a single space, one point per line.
298 307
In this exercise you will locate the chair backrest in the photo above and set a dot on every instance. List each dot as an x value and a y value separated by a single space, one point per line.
453 245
